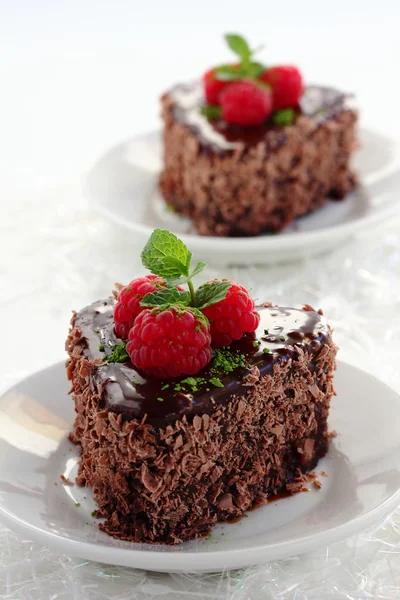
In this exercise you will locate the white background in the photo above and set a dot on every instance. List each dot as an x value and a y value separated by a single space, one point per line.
79 75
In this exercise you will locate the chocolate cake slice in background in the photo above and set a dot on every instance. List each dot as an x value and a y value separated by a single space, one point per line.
245 180
167 461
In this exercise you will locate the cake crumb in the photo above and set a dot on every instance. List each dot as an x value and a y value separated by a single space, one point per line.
66 480
313 478
295 487
118 287
308 308
332 434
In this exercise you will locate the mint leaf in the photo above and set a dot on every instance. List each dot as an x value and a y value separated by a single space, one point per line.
166 255
238 45
174 281
212 113
227 73
286 116
166 297
211 292
200 316
246 68
254 70
198 269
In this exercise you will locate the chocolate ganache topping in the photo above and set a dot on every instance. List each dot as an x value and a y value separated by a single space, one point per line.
124 390
318 103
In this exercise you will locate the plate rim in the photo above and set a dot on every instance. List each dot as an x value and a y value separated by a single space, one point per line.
226 244
191 561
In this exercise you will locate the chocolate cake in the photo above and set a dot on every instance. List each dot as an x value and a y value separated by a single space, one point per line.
168 460
245 180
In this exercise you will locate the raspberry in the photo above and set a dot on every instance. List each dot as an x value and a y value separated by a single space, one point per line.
286 83
128 306
213 87
245 103
233 316
171 342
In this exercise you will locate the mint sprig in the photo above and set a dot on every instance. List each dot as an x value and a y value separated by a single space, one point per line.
167 256
247 68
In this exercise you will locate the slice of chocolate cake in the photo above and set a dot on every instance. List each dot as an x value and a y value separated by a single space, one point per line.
169 458
249 149
194 405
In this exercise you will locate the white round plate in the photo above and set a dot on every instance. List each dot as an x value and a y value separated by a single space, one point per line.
362 483
122 186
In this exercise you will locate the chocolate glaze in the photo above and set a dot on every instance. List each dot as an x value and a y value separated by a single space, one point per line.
124 390
318 102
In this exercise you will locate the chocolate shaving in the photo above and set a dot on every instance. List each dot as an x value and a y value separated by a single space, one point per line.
66 480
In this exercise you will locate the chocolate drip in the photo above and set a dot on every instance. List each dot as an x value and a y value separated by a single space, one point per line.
124 390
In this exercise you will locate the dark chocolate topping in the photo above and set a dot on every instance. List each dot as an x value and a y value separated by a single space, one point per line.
124 390
317 102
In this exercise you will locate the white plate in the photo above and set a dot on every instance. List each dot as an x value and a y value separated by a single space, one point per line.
122 186
363 468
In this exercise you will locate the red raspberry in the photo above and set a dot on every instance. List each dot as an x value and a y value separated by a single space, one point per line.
233 316
286 83
128 306
168 343
213 87
245 103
